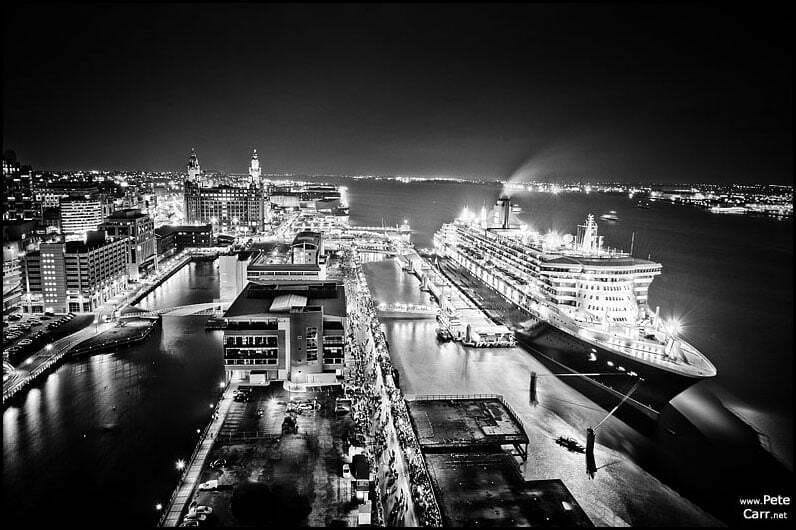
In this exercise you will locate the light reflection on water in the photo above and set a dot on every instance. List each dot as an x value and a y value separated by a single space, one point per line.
111 426
429 367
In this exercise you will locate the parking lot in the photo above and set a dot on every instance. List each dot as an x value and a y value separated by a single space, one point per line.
253 448
30 332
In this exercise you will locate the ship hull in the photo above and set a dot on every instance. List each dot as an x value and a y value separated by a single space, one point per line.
564 353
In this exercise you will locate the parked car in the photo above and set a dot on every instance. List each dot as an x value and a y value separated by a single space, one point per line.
218 463
202 509
209 485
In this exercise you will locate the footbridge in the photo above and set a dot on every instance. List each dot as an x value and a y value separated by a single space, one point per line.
211 308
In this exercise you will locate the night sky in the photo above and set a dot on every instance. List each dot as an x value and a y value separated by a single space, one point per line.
633 93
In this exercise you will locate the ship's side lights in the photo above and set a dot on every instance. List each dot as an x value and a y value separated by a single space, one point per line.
673 326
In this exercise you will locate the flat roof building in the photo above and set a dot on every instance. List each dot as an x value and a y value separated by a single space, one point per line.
75 275
139 227
79 214
287 331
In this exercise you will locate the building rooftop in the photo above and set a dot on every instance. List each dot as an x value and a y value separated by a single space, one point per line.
265 299
167 229
285 302
128 213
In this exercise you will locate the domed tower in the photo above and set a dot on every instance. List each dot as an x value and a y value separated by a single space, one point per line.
254 169
194 171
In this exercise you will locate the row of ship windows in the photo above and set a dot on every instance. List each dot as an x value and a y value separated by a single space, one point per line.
608 298
604 308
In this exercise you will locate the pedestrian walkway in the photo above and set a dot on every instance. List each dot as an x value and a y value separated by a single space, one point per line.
47 357
189 480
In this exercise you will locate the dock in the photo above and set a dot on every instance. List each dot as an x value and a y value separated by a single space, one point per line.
460 317
476 482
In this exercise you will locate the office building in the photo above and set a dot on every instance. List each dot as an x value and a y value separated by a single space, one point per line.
140 229
179 237
289 331
80 214
75 275
226 207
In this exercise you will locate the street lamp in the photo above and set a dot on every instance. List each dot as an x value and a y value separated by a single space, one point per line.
180 465
158 506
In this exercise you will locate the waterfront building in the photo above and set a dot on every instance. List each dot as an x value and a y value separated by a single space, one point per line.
307 248
184 236
75 275
254 169
165 242
288 331
329 200
225 207
304 260
139 227
79 214
194 170
233 274
311 221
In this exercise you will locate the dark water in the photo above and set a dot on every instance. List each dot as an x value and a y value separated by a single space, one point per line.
728 278
99 438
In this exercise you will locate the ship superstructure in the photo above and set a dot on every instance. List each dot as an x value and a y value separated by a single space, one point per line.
575 284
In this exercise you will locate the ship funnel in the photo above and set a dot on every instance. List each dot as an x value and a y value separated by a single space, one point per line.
504 210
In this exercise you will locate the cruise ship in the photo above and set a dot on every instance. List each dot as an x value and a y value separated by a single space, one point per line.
583 307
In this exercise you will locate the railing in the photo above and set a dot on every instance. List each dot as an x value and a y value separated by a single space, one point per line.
116 343
465 397
408 308
191 461
247 435
42 368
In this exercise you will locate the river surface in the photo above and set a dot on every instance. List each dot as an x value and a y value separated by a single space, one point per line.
729 279
97 440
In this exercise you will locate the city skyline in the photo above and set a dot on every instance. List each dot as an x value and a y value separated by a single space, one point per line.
631 94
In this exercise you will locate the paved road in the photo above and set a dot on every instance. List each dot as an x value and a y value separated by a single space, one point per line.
190 477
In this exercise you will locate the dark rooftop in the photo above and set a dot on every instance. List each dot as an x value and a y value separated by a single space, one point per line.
128 213
257 298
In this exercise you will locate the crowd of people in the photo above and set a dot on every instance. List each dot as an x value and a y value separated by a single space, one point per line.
378 403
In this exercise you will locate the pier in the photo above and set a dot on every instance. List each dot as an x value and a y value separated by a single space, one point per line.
407 311
475 479
461 319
